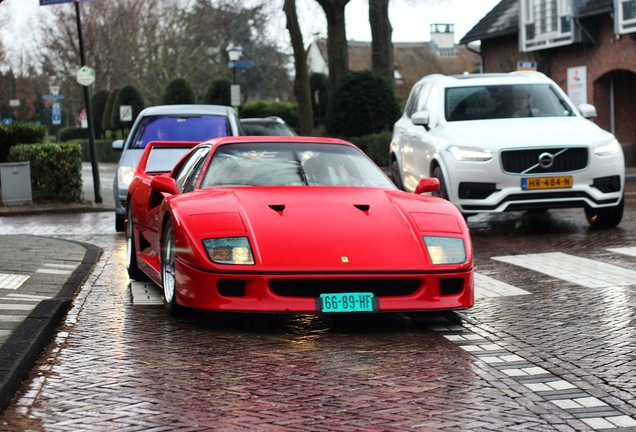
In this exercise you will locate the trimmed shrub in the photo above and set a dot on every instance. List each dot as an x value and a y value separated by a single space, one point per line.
20 133
376 146
219 92
364 103
178 91
288 111
72 133
319 86
98 105
128 95
56 170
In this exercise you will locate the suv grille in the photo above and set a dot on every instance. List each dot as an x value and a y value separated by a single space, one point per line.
537 161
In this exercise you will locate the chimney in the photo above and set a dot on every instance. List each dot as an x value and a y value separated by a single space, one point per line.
443 36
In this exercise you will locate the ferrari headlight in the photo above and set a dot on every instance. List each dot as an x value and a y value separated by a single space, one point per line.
445 250
609 148
470 154
125 174
229 250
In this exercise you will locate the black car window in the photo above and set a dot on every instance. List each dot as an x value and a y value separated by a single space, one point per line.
183 174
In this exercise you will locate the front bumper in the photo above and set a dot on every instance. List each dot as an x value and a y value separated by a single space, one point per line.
476 187
298 293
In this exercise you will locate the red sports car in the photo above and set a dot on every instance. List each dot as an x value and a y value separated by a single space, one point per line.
292 224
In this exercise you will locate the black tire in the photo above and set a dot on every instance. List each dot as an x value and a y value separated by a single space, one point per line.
131 250
442 192
119 223
395 175
608 217
168 277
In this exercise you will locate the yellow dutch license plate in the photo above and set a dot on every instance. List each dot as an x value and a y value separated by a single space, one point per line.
557 182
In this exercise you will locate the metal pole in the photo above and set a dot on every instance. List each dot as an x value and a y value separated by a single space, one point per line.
89 114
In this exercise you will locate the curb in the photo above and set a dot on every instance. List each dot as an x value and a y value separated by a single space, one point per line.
20 352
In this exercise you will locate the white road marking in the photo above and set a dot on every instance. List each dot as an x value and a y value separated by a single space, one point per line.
12 281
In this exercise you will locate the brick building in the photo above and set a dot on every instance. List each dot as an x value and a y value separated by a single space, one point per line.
590 40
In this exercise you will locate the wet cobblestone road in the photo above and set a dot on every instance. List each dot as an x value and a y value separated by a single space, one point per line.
557 355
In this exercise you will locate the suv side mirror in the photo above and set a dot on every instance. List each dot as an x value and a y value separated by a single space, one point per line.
427 184
588 111
421 118
118 145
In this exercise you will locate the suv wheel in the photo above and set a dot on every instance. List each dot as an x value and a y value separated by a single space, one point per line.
442 192
395 174
607 217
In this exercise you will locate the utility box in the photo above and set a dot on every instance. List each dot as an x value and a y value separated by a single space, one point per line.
15 180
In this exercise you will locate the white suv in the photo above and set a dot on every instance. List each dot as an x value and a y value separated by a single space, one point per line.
508 142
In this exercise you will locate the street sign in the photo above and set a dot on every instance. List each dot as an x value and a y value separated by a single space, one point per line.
52 2
53 97
6 121
14 102
83 119
235 95
56 113
240 64
125 113
85 75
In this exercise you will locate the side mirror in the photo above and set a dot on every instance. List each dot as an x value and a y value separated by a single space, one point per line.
421 118
588 111
118 145
165 184
428 184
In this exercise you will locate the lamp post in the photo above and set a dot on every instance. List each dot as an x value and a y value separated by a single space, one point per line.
234 53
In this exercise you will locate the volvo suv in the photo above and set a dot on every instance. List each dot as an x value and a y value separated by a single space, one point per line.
508 142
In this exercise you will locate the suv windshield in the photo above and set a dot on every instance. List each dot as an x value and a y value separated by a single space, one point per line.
504 101
175 128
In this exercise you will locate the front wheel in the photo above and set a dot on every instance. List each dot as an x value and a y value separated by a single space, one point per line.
131 250
168 274
395 175
608 217
442 192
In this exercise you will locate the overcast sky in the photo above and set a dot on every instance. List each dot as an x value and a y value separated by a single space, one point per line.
411 19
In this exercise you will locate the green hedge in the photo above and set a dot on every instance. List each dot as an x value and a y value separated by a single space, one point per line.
19 133
72 133
376 146
56 170
288 111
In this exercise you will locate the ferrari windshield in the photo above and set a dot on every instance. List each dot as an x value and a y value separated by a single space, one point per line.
504 101
292 164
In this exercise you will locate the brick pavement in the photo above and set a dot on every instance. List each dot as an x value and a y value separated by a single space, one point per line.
38 279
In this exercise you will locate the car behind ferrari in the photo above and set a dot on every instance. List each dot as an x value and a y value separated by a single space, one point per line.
292 224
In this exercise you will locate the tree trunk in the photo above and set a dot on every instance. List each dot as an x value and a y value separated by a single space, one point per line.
382 59
337 47
301 82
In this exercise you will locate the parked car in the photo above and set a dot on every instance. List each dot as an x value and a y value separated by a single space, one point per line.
272 126
505 142
292 224
194 123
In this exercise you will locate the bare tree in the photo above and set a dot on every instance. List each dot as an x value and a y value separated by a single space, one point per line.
337 48
382 59
301 83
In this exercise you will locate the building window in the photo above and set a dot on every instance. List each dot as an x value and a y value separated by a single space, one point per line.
546 24
625 16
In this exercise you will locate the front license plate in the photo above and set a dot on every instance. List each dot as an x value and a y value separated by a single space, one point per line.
347 302
546 182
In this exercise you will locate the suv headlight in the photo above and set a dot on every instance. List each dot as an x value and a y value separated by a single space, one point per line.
125 175
470 153
229 250
609 148
445 250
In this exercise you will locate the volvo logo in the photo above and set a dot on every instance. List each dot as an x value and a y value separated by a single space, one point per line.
546 160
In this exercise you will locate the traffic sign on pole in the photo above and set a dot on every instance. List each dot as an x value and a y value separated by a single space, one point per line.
85 75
